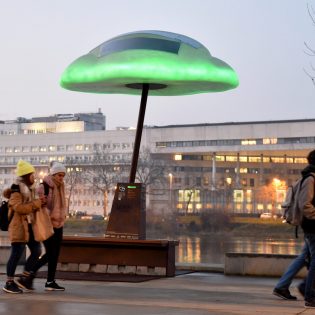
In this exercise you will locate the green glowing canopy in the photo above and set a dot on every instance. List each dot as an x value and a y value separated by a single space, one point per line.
172 64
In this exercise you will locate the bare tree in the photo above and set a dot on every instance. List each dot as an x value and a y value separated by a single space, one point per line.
104 171
150 170
73 178
308 50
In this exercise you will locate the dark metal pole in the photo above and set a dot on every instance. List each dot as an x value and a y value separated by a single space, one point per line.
136 149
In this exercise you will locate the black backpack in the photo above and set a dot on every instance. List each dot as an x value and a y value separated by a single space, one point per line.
4 211
4 218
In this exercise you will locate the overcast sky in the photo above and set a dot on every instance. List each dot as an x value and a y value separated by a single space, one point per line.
261 39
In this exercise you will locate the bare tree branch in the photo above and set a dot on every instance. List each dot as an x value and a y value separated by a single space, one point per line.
150 170
310 76
310 51
311 12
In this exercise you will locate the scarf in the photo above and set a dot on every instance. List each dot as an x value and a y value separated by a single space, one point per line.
59 194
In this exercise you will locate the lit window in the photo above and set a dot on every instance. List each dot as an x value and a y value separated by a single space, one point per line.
248 142
79 147
178 157
34 149
189 195
42 148
220 158
230 158
52 148
248 195
270 140
238 195
300 160
254 159
260 206
8 150
277 160
61 159
243 170
52 158
243 158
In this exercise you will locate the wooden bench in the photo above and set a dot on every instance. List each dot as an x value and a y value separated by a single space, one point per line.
109 255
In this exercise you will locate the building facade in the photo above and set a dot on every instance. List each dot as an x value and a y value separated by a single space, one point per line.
241 168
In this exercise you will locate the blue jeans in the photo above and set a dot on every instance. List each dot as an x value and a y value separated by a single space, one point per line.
17 250
296 265
309 286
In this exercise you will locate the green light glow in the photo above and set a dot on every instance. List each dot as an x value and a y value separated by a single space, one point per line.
192 70
132 187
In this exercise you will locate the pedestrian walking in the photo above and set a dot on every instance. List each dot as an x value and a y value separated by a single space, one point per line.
22 205
282 287
54 189
307 203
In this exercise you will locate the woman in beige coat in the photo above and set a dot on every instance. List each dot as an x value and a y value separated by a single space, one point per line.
22 204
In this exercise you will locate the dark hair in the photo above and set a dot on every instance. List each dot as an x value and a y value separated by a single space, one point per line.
311 158
27 179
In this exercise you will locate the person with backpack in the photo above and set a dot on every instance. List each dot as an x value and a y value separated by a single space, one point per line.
306 202
54 189
282 287
22 205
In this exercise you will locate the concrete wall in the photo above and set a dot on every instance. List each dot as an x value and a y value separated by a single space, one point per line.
269 265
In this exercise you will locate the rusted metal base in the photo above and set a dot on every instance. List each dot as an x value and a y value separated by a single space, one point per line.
127 219
119 252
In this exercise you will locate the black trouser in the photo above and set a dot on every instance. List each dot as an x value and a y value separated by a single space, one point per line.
52 248
17 249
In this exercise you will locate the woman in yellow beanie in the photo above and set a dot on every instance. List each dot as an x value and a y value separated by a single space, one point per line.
22 204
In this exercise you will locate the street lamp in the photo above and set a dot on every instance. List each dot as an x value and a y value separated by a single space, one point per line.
170 175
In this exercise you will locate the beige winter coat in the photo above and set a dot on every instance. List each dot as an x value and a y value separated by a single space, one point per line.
20 205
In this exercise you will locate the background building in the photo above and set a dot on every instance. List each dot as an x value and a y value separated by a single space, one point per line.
241 168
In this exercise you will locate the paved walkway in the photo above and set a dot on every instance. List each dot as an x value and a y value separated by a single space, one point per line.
190 294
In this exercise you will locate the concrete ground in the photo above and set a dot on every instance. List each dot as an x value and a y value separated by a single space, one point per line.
196 293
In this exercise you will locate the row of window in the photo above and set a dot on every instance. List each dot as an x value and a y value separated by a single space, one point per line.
64 148
240 158
230 142
83 159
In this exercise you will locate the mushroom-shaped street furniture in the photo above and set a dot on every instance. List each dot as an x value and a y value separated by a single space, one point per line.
150 62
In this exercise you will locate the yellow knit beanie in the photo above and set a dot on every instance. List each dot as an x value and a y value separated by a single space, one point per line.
23 168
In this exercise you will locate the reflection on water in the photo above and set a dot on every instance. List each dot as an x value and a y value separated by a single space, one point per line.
211 249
